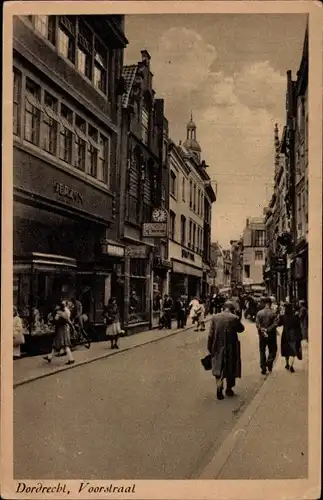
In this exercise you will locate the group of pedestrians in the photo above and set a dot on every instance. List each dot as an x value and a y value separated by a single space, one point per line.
224 346
181 309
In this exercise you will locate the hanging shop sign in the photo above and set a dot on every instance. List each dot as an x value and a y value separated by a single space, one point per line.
154 230
136 251
113 250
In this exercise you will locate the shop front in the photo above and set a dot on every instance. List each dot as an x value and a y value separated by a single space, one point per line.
59 223
137 288
185 280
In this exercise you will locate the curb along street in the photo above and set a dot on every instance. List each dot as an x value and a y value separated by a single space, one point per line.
215 466
102 356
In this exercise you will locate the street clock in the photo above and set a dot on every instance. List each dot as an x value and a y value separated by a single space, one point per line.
159 215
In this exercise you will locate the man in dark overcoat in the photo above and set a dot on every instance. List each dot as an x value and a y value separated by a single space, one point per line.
224 347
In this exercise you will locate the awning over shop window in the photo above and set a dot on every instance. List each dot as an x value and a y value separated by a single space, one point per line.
181 268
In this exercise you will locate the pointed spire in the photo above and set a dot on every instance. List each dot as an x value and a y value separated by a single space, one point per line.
277 148
191 116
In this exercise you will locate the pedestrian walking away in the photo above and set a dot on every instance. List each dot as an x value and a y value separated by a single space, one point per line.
266 324
112 320
291 346
224 346
62 340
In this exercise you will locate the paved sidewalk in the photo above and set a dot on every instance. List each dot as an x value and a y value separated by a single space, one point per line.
270 441
31 368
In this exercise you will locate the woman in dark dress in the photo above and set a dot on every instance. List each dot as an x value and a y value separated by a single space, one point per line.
291 346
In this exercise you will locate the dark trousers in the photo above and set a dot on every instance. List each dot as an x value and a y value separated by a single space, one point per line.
269 343
168 319
181 316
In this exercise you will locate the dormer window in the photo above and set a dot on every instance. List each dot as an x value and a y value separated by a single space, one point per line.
144 126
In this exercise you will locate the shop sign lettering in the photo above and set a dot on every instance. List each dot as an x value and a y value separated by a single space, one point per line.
113 250
68 192
187 255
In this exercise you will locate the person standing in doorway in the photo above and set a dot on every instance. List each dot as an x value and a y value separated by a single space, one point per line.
18 337
62 340
167 308
266 325
291 346
224 346
303 317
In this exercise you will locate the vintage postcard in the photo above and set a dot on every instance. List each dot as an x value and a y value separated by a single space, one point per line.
162 250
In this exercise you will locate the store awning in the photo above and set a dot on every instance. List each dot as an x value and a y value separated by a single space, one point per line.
181 268
44 262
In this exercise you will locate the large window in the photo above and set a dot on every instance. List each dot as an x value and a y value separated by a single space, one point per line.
259 255
183 188
260 238
173 184
194 197
66 134
191 194
93 151
66 38
81 143
163 196
144 125
194 237
50 124
103 162
16 101
172 218
247 271
183 230
84 51
32 112
46 26
100 65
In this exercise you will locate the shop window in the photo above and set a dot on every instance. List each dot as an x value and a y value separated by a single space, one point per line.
16 101
172 218
66 38
103 161
144 126
32 112
46 26
100 67
137 301
173 184
50 124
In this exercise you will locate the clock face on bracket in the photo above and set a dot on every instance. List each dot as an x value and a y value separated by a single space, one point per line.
159 215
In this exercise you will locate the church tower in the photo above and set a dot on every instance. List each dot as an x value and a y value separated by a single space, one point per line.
191 143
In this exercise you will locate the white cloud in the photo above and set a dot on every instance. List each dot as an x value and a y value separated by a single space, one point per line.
235 116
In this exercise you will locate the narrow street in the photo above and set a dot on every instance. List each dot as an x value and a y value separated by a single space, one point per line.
150 412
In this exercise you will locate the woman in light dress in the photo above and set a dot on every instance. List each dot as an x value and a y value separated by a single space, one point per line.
18 337
112 317
63 326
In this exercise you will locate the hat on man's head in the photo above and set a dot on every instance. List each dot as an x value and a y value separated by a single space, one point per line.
229 305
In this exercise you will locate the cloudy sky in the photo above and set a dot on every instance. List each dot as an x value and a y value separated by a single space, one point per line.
230 70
